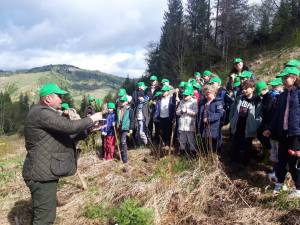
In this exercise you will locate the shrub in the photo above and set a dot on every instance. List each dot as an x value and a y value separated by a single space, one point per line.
285 203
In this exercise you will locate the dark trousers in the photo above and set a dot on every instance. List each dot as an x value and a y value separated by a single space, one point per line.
43 196
124 146
156 132
285 159
166 129
241 149
187 142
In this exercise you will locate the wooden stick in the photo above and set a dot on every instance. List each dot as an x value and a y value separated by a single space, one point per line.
117 140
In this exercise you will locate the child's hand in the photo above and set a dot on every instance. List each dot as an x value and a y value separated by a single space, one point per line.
114 124
205 120
184 110
129 133
267 133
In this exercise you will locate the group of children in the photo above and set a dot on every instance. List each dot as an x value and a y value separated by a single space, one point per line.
163 115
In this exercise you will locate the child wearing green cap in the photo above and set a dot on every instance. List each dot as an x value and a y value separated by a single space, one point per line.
164 113
245 118
286 125
142 117
107 130
125 123
187 111
210 113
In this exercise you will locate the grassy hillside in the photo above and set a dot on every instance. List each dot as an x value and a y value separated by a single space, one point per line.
80 82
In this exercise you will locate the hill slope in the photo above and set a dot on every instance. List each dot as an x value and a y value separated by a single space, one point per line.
78 81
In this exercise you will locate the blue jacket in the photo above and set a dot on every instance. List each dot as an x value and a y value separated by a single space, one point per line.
172 105
215 113
276 126
109 129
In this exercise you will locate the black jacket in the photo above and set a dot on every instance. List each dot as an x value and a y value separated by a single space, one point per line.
50 149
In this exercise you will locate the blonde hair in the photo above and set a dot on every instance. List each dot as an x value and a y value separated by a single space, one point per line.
209 88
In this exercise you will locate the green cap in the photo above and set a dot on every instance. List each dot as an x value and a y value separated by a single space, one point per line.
122 92
188 85
197 86
260 86
188 92
153 77
237 82
158 93
207 73
166 88
164 81
215 80
237 60
192 80
64 106
293 63
111 105
289 70
197 74
181 84
246 74
51 88
141 84
91 98
124 99
275 82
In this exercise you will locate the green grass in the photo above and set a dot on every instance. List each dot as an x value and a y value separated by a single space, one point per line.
129 212
283 202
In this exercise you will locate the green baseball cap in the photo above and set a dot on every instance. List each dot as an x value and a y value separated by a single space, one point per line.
91 98
197 86
237 82
275 82
197 74
237 60
215 80
141 84
188 92
207 73
293 63
181 84
246 74
188 85
289 70
158 93
111 105
165 81
65 106
124 99
260 86
166 88
51 88
122 92
153 77
192 80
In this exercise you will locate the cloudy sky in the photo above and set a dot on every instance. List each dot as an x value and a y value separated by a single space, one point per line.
106 35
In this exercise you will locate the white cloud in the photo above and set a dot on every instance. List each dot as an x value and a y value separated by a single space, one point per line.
110 36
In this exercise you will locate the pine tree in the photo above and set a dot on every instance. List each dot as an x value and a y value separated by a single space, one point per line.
172 42
152 59
198 26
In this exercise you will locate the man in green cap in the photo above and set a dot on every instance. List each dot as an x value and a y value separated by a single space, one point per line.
50 150
90 108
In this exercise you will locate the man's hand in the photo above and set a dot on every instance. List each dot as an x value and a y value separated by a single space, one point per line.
96 117
267 133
